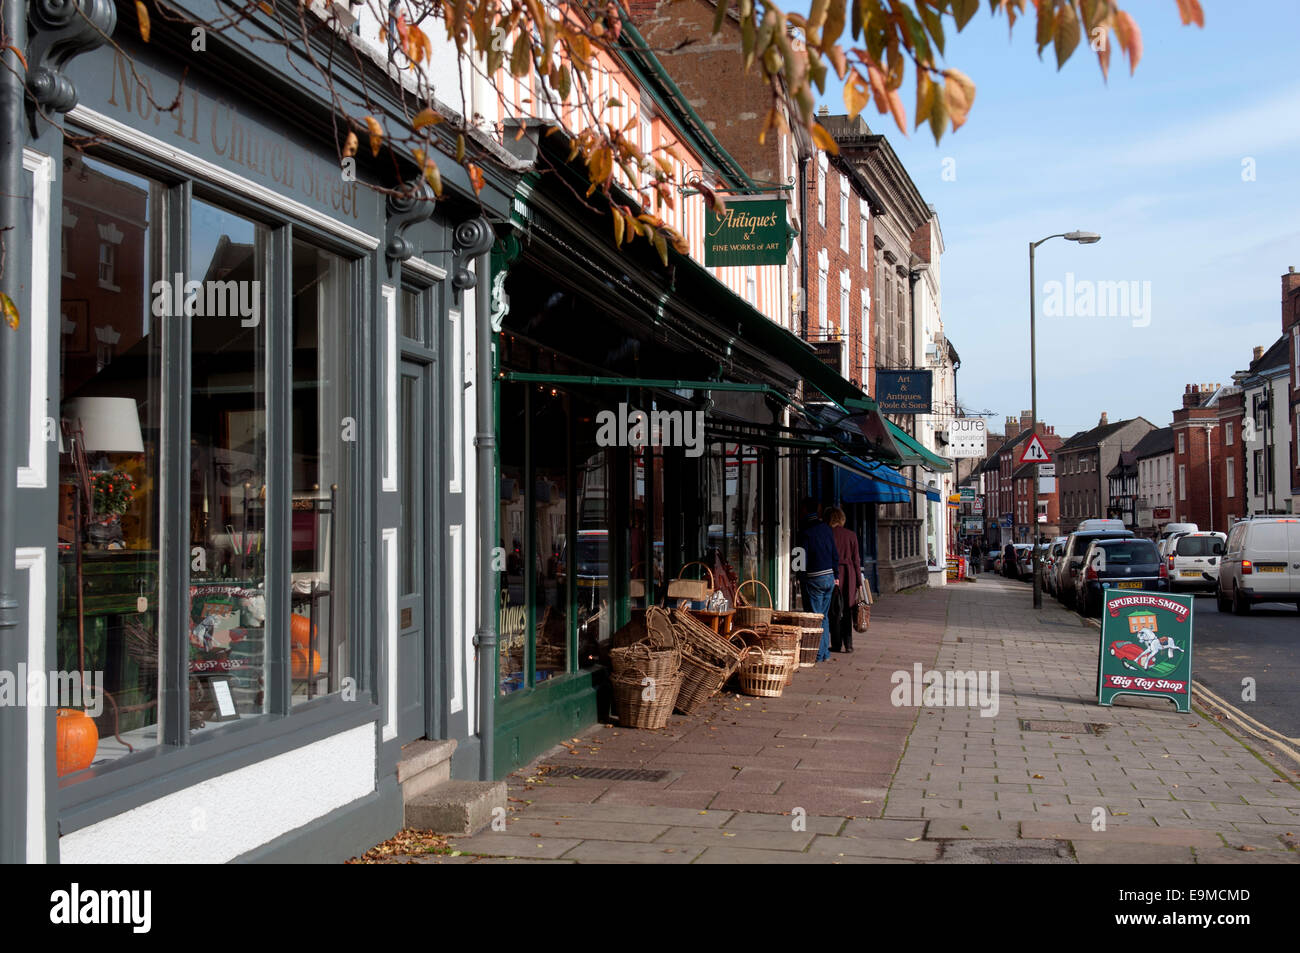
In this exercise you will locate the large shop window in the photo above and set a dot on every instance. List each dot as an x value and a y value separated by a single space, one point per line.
736 518
110 355
173 456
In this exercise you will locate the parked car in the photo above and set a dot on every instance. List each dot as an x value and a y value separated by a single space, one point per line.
1067 569
1024 561
1170 532
1049 564
1118 563
1262 564
1193 560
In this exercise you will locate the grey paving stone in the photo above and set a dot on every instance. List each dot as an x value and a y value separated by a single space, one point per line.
782 822
896 849
701 837
981 828
619 813
1102 852
615 852
1227 855
501 844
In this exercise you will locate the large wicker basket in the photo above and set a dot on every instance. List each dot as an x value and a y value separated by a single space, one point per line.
634 709
763 674
804 620
656 661
704 643
701 680
784 639
810 643
748 616
653 623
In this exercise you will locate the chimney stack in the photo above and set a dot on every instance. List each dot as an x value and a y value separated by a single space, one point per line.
1191 396
1104 420
1026 418
1258 351
1290 309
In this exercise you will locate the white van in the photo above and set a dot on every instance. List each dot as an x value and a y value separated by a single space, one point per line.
1170 532
1192 557
1262 564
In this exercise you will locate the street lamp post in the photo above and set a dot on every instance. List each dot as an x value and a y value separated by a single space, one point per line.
1083 238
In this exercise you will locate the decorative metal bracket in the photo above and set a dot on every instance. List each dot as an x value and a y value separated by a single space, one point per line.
60 30
469 240
403 212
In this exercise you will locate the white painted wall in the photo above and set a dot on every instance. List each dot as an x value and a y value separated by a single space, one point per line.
217 820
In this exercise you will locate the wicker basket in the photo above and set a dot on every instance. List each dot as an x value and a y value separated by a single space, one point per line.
784 639
810 642
652 624
748 616
696 590
763 674
656 661
701 680
804 620
704 643
634 709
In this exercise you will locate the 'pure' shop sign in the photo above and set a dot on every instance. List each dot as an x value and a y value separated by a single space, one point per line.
747 233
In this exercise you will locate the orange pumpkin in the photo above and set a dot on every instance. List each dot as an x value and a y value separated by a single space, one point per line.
301 631
76 741
300 663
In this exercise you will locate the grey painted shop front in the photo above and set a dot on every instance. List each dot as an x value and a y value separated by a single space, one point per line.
247 504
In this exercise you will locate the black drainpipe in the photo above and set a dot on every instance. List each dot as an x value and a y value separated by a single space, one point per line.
12 848
803 240
473 241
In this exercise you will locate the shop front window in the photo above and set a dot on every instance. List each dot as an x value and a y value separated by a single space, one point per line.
108 628
228 454
548 422
323 433
592 562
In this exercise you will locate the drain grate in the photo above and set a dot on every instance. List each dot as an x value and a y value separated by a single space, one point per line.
606 774
1061 727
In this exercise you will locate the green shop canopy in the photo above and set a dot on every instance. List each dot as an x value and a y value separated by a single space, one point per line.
914 454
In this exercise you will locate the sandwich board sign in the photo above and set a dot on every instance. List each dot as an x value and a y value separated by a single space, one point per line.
1146 646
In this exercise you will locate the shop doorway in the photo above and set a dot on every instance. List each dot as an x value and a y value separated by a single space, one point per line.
419 693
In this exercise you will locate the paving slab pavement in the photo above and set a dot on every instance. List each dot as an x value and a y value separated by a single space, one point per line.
835 772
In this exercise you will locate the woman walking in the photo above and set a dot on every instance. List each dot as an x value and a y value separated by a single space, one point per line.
847 572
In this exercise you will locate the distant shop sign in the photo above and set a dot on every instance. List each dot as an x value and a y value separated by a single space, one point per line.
967 436
903 392
752 232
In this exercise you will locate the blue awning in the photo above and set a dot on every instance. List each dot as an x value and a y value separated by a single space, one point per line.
933 496
863 482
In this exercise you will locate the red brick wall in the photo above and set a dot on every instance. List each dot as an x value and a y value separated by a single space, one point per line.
828 238
1188 424
1227 508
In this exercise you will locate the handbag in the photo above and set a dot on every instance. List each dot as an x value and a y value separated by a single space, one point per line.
862 611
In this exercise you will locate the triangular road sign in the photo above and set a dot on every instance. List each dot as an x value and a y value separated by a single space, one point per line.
1034 452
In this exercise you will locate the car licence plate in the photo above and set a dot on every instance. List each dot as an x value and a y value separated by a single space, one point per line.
1190 572
1271 568
1128 585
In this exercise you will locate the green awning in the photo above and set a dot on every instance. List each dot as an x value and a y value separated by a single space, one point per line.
914 453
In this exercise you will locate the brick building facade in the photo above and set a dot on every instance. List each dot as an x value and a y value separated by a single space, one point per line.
1195 451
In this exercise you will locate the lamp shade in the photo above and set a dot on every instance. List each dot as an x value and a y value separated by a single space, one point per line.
108 424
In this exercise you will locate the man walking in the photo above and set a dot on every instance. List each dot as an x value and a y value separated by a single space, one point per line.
820 560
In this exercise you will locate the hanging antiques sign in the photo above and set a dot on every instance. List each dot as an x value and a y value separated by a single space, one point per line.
1146 647
903 392
749 232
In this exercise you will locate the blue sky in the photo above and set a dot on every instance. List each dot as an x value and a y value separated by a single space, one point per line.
1153 162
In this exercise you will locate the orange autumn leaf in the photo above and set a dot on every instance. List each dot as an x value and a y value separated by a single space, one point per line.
350 145
376 134
142 15
476 177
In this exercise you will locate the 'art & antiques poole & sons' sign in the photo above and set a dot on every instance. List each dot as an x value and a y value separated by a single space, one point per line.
903 392
747 233
1146 647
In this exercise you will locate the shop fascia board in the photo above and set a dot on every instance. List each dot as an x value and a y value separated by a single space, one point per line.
538 213
235 54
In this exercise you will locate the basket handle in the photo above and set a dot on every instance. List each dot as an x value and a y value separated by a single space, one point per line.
736 635
696 562
740 599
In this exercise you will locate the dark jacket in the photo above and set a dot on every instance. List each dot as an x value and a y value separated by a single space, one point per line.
818 544
850 565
